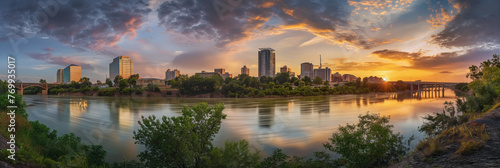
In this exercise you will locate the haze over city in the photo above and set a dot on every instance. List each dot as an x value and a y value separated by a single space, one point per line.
396 40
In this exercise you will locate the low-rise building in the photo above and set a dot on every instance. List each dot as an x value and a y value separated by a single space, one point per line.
337 77
222 72
373 79
349 78
146 81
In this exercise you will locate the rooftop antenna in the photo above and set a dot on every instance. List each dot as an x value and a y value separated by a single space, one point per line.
320 61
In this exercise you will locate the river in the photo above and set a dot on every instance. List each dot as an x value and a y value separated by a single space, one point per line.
298 125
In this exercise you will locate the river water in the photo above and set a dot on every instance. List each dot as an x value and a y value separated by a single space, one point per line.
297 125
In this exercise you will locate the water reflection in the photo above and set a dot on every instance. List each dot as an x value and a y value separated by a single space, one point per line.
298 125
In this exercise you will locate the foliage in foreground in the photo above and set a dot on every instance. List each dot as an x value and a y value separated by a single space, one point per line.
186 141
370 143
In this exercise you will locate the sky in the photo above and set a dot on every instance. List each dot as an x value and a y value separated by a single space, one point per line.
429 40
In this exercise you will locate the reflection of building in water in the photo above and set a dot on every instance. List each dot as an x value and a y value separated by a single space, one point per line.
122 114
305 108
266 116
290 106
77 107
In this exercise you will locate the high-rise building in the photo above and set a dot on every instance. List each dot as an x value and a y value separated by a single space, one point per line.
267 62
122 66
245 70
306 69
60 75
171 74
72 73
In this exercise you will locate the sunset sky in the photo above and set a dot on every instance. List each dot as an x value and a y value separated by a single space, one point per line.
428 40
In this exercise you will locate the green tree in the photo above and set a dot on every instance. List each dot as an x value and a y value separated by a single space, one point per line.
182 141
123 84
132 80
282 77
108 82
476 72
234 154
117 79
370 143
307 80
317 80
85 82
43 81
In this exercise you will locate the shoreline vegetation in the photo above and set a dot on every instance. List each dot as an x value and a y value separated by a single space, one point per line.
241 86
186 140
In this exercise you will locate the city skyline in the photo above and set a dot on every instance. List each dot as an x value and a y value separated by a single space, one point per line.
363 38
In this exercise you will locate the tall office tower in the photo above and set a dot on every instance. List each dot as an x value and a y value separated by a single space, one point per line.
267 62
245 70
171 74
122 66
60 75
306 69
72 73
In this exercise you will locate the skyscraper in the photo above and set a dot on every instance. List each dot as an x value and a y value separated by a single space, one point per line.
306 69
171 74
245 70
60 75
72 73
122 66
267 62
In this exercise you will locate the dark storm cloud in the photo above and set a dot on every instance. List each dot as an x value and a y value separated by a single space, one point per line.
63 61
245 19
82 24
475 24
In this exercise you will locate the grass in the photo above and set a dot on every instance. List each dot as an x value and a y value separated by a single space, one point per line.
471 137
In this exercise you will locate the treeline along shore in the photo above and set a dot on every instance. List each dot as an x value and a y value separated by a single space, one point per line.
241 86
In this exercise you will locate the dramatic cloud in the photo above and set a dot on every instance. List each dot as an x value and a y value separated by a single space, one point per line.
341 64
442 61
231 21
475 25
81 24
63 61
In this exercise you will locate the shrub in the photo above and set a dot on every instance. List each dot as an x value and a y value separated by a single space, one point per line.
370 143
182 141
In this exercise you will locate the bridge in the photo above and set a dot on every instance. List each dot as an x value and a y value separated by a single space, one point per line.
425 89
45 87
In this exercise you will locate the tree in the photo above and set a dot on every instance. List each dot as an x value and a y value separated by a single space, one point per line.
85 82
317 80
117 79
370 143
182 141
108 82
43 81
123 84
307 80
132 80
282 77
98 82
234 154
476 72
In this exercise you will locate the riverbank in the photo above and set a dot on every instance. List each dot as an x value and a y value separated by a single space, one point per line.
480 150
